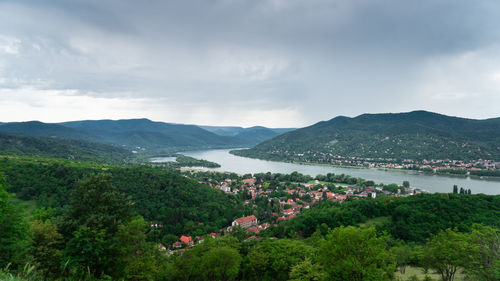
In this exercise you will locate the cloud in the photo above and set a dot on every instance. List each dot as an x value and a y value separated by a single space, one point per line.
294 61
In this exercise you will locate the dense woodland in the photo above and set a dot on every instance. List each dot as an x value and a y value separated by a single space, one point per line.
67 220
62 148
182 204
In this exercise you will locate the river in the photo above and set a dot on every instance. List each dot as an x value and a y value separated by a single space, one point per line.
428 182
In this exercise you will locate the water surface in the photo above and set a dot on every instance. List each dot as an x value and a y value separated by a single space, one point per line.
429 182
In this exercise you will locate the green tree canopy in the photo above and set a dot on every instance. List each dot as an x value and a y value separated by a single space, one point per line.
350 253
445 253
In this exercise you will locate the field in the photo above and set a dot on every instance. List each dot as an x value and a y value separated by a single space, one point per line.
419 273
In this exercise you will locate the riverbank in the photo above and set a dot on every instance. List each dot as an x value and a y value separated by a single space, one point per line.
447 174
429 182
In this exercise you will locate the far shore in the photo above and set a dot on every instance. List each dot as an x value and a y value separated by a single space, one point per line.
377 168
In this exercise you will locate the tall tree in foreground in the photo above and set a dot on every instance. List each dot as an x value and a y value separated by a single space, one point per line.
350 253
445 253
92 220
46 248
483 259
13 231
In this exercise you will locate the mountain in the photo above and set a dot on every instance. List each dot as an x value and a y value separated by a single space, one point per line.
61 148
152 135
257 134
250 136
414 135
130 133
229 131
36 128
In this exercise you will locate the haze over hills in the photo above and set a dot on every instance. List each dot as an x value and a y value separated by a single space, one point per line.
143 133
252 135
414 135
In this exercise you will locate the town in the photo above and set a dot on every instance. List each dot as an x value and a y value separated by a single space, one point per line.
477 167
271 198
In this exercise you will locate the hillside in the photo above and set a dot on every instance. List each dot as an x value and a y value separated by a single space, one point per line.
61 148
415 135
152 135
182 205
37 128
130 133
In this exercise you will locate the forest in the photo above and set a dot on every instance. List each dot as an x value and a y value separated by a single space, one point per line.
67 220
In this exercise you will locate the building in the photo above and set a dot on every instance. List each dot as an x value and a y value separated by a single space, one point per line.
187 240
246 222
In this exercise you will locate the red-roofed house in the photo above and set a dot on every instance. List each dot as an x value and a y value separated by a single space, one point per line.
253 229
249 181
187 240
246 222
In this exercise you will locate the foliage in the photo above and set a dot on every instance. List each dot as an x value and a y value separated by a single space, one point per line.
180 204
307 271
14 238
214 259
62 148
445 253
412 218
350 253
46 248
483 253
273 260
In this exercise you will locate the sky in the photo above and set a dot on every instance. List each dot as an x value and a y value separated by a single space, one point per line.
276 63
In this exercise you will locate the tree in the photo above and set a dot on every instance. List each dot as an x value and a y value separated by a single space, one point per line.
402 255
136 258
14 238
47 247
307 271
455 189
273 260
97 204
350 253
93 218
445 252
406 184
221 264
483 259
88 252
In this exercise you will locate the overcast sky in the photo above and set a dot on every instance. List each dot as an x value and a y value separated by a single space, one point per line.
277 63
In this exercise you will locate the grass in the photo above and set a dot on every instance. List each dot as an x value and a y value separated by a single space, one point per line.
375 221
419 273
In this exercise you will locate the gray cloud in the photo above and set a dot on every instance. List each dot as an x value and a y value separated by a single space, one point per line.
235 62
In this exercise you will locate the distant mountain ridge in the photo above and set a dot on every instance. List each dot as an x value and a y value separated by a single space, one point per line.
141 133
252 135
414 135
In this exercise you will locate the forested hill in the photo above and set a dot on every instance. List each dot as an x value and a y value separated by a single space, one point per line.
151 134
61 148
182 205
414 135
130 133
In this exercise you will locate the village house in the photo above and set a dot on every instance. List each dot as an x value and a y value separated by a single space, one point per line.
187 240
250 182
246 222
